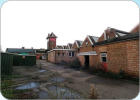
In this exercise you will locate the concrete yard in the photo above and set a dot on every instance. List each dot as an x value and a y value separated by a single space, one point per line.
46 73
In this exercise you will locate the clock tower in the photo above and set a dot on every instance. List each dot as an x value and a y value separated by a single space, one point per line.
51 43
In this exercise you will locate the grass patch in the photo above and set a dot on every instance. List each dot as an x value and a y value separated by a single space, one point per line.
10 93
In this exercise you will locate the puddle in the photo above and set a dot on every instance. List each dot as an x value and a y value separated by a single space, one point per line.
28 86
43 95
58 79
63 92
43 70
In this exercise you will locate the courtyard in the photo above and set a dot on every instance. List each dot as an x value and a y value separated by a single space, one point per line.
48 80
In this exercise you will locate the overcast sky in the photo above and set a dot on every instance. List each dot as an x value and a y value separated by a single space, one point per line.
27 23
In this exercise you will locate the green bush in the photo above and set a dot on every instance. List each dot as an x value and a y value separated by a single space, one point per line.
75 63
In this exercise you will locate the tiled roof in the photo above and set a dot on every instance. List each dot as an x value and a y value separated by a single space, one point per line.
78 43
117 39
51 35
69 45
61 47
92 39
19 50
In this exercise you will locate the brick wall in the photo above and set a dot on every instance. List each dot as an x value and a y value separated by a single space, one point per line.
82 60
116 57
65 58
51 56
132 57
120 56
74 46
85 48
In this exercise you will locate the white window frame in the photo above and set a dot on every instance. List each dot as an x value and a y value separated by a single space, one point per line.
103 56
71 54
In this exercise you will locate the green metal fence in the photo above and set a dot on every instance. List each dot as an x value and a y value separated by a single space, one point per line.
24 60
8 60
6 63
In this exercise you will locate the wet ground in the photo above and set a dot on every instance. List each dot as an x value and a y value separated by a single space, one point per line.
49 80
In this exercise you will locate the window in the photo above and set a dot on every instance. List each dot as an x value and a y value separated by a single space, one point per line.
58 54
71 54
103 57
63 54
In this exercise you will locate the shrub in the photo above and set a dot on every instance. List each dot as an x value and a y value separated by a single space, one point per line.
75 63
93 92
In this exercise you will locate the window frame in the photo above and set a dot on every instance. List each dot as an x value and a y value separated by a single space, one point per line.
102 55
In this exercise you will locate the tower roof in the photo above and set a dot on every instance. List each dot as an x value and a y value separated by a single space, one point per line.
51 35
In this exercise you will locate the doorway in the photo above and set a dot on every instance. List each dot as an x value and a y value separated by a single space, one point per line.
86 61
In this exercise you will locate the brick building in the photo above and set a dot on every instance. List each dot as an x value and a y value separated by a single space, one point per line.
114 51
51 44
86 52
76 45
59 53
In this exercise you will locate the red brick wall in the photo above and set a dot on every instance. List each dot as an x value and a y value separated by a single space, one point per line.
120 56
93 59
116 57
51 43
85 48
82 60
65 58
132 57
51 56
74 46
